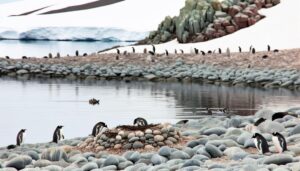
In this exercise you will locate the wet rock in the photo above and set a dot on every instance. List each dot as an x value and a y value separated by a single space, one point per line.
89 166
213 151
54 154
19 162
111 160
217 131
179 155
157 159
279 159
165 151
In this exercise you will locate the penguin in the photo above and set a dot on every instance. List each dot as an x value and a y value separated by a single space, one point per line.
24 57
85 54
151 53
125 52
58 134
209 52
133 50
250 49
7 57
279 142
76 53
240 49
261 143
182 122
279 115
253 50
94 101
175 51
167 53
220 51
209 111
265 56
58 55
98 128
182 52
153 49
140 122
259 121
117 57
269 48
45 57
20 139
118 51
203 53
196 51
145 50
275 50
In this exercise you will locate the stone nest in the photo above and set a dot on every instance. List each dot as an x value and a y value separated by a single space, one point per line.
127 137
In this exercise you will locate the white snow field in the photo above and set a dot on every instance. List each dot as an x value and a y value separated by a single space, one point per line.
280 29
134 18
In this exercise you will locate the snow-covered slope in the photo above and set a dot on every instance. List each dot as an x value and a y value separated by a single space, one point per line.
280 29
134 17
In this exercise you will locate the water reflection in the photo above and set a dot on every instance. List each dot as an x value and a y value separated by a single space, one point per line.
40 105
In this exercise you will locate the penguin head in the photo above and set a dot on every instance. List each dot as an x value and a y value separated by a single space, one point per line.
102 124
60 126
255 135
23 130
275 133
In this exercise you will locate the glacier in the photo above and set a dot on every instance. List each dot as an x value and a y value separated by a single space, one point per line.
72 34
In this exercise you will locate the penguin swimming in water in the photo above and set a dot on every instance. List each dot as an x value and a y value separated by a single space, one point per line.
140 122
261 143
20 139
279 142
58 134
98 128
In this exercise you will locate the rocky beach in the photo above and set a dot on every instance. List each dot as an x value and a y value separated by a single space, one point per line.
215 143
262 69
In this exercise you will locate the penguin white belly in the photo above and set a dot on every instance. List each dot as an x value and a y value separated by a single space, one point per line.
277 144
259 148
61 134
24 135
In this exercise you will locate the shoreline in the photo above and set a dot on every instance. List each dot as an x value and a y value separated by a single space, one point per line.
203 146
278 70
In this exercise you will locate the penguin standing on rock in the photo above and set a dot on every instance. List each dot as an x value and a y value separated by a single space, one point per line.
279 142
196 51
220 51
133 50
167 53
140 122
203 53
118 51
58 134
240 49
98 128
261 143
253 51
20 139
269 48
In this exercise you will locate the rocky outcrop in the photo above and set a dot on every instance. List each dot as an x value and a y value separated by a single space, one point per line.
202 20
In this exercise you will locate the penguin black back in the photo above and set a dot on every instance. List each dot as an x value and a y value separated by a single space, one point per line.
240 49
182 52
279 142
203 53
98 127
275 50
151 53
140 122
259 121
209 52
253 51
279 115
20 137
57 135
220 51
196 51
269 48
167 53
133 50
182 122
118 51
261 143
153 49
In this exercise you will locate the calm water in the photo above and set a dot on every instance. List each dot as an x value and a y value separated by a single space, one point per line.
41 105
17 49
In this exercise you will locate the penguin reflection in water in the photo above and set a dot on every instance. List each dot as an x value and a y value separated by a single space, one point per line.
58 134
20 139
279 142
100 127
140 122
260 143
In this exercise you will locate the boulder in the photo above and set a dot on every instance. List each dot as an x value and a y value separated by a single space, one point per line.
213 151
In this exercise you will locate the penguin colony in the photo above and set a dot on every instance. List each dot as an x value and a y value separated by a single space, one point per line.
196 51
58 135
277 138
